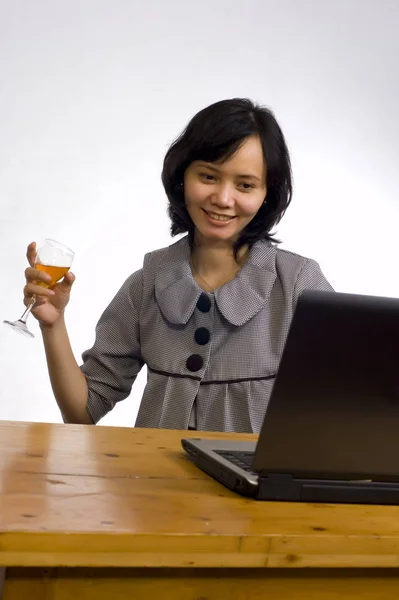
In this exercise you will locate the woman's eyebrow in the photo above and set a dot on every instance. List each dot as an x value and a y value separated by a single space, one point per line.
213 168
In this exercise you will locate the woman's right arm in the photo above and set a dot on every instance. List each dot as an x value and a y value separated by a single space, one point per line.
68 382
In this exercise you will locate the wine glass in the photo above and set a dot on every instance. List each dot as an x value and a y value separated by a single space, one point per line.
55 259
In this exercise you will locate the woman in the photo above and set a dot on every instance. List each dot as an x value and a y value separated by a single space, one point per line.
209 314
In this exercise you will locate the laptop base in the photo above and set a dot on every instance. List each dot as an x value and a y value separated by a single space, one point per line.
285 487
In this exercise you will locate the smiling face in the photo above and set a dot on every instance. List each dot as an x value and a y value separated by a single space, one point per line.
223 197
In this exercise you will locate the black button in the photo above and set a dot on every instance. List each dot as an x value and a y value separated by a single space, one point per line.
203 303
194 362
202 336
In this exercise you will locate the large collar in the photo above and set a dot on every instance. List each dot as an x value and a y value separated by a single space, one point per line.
238 301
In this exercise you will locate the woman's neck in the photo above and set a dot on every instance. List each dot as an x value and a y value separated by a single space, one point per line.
215 264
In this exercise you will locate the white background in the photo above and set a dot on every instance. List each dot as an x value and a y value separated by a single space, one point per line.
93 91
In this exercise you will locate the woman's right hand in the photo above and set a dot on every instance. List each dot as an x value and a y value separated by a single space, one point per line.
51 302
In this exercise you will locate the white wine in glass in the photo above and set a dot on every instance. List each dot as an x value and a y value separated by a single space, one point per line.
52 258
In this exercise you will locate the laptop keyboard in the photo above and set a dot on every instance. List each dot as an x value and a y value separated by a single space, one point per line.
239 458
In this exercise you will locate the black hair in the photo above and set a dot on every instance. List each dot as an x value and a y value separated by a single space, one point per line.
213 135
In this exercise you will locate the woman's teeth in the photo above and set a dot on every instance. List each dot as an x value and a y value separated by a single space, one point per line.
219 217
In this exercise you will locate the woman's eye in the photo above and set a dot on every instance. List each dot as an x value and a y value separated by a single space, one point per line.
207 177
247 186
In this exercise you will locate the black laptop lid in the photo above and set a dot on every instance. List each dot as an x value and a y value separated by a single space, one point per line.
334 409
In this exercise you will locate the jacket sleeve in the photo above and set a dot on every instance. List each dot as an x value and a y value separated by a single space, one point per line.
113 363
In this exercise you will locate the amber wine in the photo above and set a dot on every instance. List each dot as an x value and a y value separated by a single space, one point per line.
56 273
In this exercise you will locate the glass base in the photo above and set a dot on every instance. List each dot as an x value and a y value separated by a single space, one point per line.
20 327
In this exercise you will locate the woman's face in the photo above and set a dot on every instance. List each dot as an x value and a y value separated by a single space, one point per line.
223 197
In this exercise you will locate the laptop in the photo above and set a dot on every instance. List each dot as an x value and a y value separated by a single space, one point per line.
331 428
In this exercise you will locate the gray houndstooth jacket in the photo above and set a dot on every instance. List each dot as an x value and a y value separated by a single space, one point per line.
211 358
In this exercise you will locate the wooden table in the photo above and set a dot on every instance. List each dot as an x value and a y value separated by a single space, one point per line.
96 512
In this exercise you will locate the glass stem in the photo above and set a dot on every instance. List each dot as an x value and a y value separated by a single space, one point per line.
27 310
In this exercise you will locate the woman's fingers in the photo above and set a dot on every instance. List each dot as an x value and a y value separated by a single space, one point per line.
31 253
67 282
32 289
32 275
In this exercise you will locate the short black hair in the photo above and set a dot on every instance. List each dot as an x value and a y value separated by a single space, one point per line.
213 135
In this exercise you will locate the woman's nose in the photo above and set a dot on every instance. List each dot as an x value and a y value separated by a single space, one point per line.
223 196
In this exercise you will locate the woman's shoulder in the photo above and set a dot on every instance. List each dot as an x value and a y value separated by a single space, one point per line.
284 264
267 254
291 257
286 259
303 271
177 251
